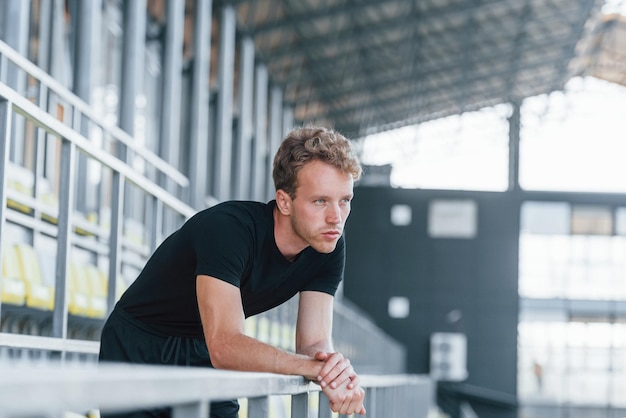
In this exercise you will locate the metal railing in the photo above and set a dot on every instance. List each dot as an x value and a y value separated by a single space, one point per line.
50 91
367 346
50 390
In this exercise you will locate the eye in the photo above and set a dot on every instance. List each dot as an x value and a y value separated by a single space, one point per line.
320 201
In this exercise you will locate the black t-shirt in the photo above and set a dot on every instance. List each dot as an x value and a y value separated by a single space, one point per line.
234 242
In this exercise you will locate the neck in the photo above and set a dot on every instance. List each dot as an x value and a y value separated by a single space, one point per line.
288 243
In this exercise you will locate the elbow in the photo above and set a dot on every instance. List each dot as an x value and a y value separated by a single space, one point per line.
218 356
221 355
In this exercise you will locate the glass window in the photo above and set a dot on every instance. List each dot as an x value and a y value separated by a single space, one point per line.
463 152
572 342
573 140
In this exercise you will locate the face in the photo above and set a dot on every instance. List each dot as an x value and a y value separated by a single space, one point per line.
321 206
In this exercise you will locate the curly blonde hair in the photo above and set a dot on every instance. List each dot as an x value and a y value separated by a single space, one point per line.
306 144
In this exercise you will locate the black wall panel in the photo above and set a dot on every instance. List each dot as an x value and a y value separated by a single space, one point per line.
476 277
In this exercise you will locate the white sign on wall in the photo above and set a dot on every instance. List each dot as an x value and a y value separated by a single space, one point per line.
452 218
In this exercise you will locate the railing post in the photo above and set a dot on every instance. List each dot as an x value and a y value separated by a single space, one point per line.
300 405
258 407
67 179
260 158
370 401
115 240
324 406
5 147
224 122
191 410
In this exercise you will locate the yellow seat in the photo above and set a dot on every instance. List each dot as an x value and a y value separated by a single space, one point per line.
13 288
38 294
21 180
97 282
78 290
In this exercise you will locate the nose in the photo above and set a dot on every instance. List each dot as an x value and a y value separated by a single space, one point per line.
334 214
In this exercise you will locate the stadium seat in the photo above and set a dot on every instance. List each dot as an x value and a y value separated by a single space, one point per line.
97 282
21 180
38 294
13 288
79 291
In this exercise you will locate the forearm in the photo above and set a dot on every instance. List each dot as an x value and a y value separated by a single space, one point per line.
243 353
311 349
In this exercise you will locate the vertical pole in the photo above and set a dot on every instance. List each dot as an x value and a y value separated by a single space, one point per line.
86 43
172 81
133 58
258 407
245 122
300 405
156 222
64 238
288 120
199 106
115 240
224 131
324 406
5 149
191 410
276 128
260 157
131 79
514 139
16 36
171 106
370 401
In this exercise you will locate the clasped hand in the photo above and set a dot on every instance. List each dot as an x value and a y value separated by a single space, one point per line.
340 384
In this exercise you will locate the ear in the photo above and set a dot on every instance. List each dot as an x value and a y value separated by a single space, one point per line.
283 202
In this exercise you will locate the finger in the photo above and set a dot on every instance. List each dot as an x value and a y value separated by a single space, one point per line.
343 377
331 361
334 366
355 380
357 402
353 402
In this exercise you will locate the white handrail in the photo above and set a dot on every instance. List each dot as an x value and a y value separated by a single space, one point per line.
36 342
54 126
84 108
27 389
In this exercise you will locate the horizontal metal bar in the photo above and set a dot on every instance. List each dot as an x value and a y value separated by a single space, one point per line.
84 108
53 126
34 389
34 342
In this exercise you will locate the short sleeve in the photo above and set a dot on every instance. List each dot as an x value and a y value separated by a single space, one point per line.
223 245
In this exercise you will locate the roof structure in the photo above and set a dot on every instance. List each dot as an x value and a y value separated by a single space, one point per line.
366 66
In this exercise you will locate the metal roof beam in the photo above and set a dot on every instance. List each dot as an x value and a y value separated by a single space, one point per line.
340 112
328 64
292 21
347 34
397 78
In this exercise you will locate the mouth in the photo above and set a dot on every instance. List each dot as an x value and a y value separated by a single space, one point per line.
331 235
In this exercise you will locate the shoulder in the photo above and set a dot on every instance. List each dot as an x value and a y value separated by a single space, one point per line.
242 211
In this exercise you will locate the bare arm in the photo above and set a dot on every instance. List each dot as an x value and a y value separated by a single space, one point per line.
315 323
314 338
223 319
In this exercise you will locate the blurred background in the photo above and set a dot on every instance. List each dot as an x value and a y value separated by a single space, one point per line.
486 247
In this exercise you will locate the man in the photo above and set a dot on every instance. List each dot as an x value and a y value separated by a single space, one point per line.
238 259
